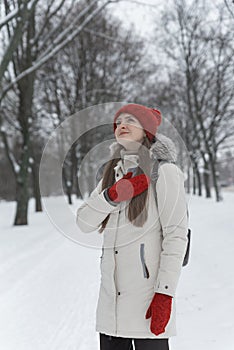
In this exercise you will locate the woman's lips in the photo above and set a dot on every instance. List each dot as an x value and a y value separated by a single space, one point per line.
122 133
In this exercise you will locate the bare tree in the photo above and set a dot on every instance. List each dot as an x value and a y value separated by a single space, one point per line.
31 50
91 71
200 71
19 16
51 43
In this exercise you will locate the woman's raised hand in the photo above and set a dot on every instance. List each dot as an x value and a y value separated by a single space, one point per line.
128 187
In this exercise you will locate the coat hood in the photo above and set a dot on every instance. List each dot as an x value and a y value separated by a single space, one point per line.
163 149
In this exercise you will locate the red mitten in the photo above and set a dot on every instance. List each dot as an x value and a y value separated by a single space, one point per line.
159 311
127 187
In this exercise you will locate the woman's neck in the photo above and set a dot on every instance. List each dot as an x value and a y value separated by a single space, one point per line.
124 152
131 146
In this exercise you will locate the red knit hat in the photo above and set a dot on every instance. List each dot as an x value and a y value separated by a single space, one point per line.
150 118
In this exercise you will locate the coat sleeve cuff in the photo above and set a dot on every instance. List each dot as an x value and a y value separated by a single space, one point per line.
106 196
165 287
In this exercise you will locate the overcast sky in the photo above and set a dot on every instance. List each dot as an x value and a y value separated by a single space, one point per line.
142 15
139 13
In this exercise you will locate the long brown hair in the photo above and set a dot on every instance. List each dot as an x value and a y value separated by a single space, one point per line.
137 208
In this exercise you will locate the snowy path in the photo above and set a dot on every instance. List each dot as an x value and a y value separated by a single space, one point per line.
45 287
49 285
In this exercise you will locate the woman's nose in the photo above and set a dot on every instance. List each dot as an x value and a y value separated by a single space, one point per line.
122 124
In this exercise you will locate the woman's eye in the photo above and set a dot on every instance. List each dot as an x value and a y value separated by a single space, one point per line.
128 120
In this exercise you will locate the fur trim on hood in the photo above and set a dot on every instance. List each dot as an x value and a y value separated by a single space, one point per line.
163 149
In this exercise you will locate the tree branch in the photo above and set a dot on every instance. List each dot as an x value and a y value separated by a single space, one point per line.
24 13
54 51
229 9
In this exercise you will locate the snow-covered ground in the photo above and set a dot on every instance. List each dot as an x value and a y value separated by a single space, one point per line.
49 284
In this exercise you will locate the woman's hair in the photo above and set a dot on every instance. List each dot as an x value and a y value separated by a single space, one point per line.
137 210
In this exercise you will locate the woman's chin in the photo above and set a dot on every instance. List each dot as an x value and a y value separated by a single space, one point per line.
128 143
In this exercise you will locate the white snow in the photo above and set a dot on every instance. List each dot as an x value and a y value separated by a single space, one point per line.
16 167
49 284
15 164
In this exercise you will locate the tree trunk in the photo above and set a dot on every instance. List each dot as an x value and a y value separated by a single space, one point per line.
207 180
21 216
194 181
199 184
25 87
67 178
69 195
36 188
188 180
34 153
215 179
74 171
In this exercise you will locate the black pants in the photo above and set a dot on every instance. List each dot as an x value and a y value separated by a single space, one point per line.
108 342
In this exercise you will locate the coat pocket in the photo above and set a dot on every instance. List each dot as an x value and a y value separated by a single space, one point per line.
142 256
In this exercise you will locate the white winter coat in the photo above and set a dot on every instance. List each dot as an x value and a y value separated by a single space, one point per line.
128 251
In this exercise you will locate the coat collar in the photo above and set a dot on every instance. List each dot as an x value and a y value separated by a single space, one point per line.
163 149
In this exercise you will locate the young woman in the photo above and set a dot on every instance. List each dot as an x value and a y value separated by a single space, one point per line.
144 243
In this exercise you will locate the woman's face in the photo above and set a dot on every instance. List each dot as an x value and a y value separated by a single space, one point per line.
129 131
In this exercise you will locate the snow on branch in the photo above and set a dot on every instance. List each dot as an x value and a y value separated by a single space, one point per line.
8 17
23 13
14 13
46 20
54 50
65 32
102 35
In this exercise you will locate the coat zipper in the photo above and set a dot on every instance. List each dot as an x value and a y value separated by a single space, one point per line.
115 274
